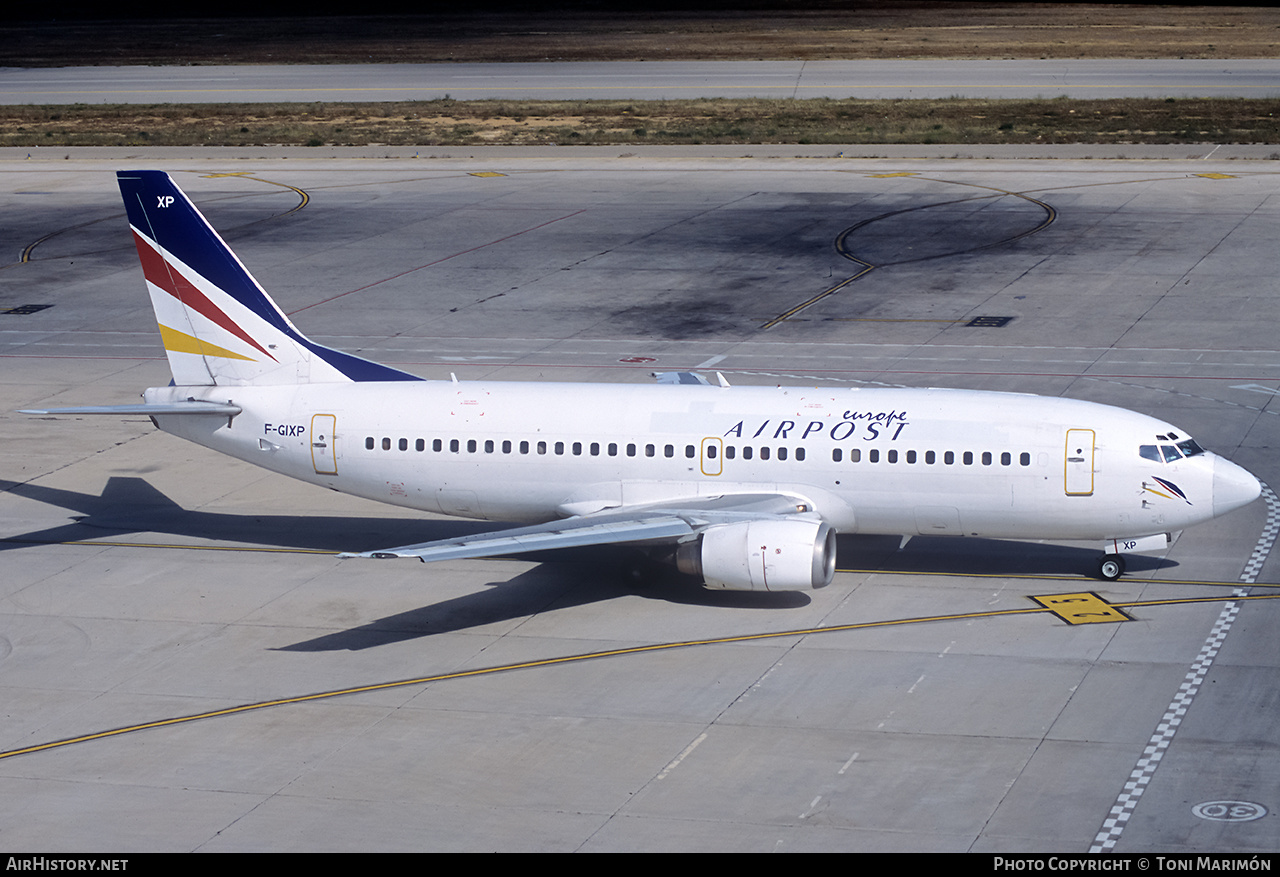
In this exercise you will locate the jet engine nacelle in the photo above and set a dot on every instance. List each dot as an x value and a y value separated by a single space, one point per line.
787 555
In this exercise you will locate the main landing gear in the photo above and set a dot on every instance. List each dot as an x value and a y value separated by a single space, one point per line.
1110 567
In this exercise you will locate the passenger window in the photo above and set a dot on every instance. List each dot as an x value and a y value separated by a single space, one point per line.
649 450
559 449
577 449
488 446
729 452
542 447
613 449
930 457
506 447
782 453
873 456
631 450
911 456
800 454
949 458
368 443
1006 459
690 451
746 453
893 456
1024 458
524 447
386 444
471 446
453 445
764 453
986 458
420 445
855 455
835 455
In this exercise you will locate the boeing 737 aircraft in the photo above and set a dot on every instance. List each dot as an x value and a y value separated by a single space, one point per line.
744 487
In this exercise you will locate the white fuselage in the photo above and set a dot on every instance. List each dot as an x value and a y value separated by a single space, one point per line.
886 461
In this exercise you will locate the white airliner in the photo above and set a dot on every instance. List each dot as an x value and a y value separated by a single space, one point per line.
744 487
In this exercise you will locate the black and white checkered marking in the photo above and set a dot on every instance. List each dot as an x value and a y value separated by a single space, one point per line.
1145 769
1266 540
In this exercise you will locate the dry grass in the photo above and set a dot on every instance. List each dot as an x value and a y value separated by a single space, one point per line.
822 30
830 29
465 123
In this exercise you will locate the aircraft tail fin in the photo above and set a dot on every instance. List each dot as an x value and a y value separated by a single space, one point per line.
218 325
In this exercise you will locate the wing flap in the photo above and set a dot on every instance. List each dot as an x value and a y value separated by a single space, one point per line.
572 533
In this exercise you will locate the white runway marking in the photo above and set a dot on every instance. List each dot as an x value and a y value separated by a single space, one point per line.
675 762
1113 826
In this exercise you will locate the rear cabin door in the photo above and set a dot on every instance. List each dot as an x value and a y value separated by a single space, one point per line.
323 456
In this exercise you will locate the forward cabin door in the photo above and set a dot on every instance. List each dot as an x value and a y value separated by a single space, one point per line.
1078 465
323 456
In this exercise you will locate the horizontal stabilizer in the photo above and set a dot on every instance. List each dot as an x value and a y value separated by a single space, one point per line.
223 409
680 378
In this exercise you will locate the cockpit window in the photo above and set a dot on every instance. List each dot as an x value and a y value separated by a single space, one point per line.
1190 448
1170 453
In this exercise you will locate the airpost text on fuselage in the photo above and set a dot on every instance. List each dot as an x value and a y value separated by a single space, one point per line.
873 423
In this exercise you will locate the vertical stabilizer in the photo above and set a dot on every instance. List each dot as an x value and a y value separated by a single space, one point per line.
218 325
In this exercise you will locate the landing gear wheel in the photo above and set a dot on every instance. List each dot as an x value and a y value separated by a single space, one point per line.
1111 567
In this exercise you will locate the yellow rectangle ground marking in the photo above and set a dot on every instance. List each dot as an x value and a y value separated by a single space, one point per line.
1083 608
486 174
1217 176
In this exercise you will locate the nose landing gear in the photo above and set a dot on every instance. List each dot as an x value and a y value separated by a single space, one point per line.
1110 567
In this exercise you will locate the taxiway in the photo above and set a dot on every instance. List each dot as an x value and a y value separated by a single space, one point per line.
923 701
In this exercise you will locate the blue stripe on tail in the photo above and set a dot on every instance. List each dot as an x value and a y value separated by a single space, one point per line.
158 209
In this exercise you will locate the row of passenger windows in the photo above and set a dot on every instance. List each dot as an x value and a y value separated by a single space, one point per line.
967 458
473 446
595 449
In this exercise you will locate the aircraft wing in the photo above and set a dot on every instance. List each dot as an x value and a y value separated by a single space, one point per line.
662 522
570 533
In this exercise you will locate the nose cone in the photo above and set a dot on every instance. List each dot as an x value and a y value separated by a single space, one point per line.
1232 487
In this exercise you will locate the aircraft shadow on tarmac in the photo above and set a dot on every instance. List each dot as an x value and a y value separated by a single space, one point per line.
563 578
